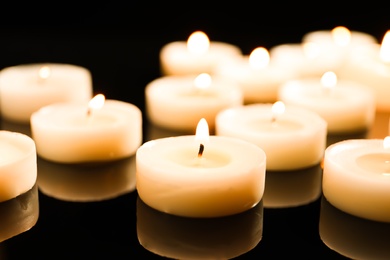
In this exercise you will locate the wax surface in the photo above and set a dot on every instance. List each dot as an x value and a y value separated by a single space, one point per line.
227 179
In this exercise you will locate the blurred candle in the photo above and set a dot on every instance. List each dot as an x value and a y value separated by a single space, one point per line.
258 78
26 88
197 55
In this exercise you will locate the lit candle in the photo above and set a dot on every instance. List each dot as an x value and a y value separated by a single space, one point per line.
371 67
97 131
356 177
197 55
280 131
347 106
179 102
18 164
256 75
201 175
19 215
26 88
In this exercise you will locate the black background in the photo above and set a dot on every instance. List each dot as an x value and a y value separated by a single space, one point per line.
120 43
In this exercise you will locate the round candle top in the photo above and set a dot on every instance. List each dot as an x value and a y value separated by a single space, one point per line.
279 133
28 87
179 102
197 55
208 177
77 133
256 75
356 177
18 166
347 106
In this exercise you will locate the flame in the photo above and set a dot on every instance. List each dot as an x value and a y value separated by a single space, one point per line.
44 72
198 43
96 102
202 81
329 80
386 142
341 35
278 108
385 48
259 58
202 131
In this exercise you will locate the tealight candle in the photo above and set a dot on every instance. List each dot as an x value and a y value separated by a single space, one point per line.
197 55
347 106
356 177
18 164
291 137
371 67
28 87
179 102
200 176
256 75
98 131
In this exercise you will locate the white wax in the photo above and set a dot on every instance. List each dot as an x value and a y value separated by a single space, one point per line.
257 84
22 91
357 38
294 58
369 69
347 107
63 132
295 140
227 179
356 178
176 59
18 166
173 102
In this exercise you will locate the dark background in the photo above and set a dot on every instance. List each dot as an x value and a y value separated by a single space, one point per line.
120 43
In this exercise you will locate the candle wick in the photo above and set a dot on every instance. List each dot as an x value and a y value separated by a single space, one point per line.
201 149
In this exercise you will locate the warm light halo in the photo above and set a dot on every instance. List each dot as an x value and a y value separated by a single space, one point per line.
44 72
198 43
278 108
329 80
202 81
385 48
202 131
96 102
341 35
259 58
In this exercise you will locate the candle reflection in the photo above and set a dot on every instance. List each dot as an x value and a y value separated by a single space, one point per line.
189 238
292 188
85 183
351 236
19 215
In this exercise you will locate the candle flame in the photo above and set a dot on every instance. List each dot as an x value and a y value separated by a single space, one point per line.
311 50
44 72
278 108
96 103
198 43
341 35
202 135
329 80
385 47
259 58
386 142
202 81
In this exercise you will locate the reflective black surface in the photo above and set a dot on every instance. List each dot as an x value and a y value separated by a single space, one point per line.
94 213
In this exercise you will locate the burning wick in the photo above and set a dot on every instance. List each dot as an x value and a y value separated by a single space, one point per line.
201 149
202 135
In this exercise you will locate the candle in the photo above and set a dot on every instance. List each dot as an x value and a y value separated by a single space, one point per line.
305 59
291 137
179 102
200 176
98 131
347 106
371 67
177 237
28 87
356 177
293 188
197 55
86 183
18 166
256 75
19 215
